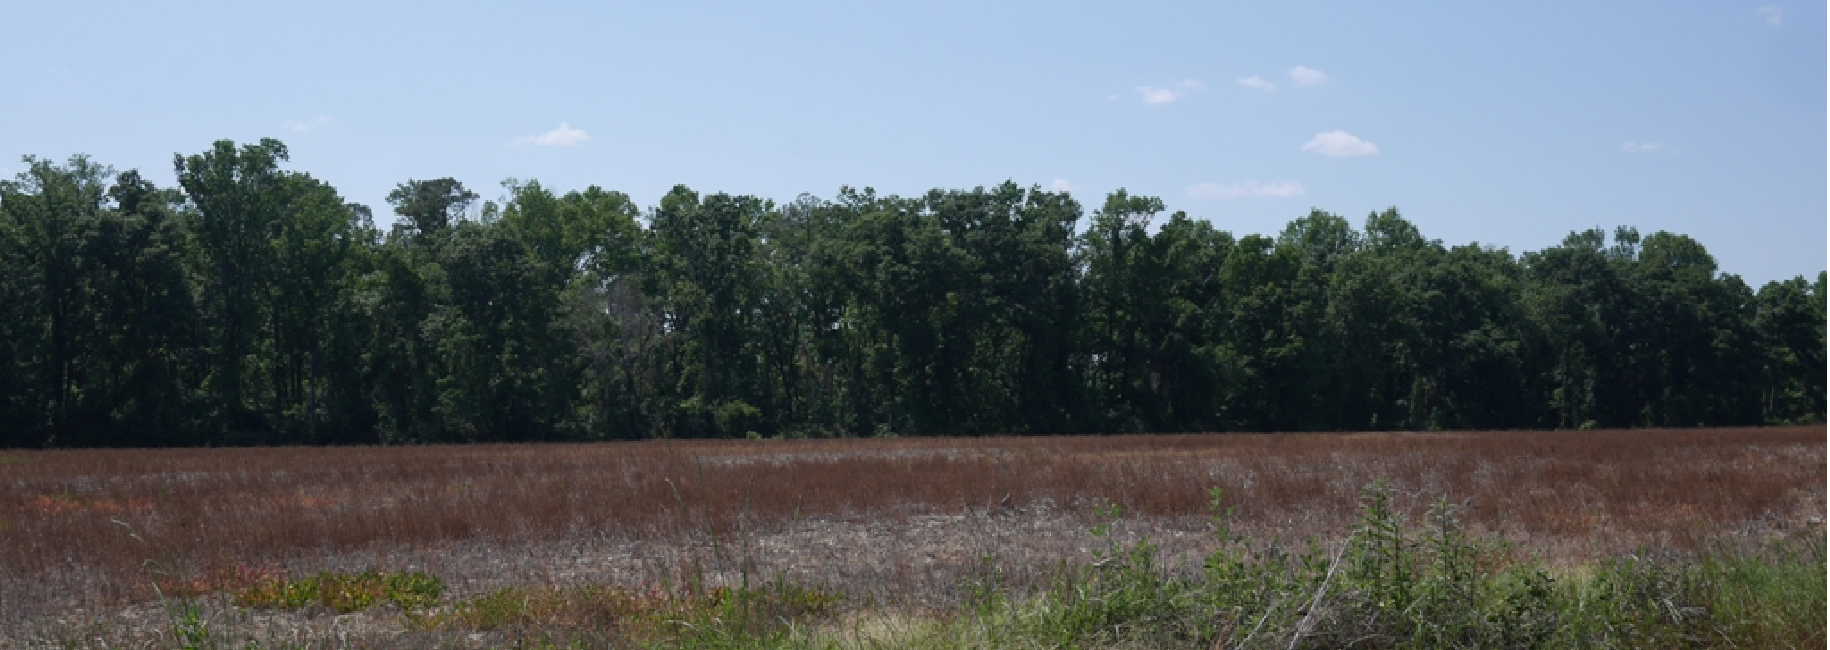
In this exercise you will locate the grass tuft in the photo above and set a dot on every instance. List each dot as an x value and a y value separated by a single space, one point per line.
344 592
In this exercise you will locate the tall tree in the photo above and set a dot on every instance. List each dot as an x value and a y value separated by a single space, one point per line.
144 323
1118 289
706 251
240 196
506 370
429 207
315 245
49 209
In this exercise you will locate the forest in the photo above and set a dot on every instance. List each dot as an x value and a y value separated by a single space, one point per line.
252 304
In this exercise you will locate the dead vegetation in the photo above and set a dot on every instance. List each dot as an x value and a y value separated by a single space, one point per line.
88 531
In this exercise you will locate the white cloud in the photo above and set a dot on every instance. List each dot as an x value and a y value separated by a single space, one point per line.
1245 188
1169 94
306 125
1302 76
1771 13
1340 144
1256 83
1158 95
1060 185
1640 147
564 136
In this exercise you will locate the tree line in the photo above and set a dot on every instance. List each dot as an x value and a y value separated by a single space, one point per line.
252 304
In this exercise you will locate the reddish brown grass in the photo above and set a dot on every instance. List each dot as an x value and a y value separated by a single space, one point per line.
89 521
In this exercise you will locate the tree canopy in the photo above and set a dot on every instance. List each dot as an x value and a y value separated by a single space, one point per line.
252 304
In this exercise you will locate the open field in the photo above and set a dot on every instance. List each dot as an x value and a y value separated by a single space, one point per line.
87 535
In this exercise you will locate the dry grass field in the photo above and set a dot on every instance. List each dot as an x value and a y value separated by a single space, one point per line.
87 533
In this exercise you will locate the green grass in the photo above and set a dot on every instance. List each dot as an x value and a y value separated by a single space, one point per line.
344 592
597 604
1388 585
1275 598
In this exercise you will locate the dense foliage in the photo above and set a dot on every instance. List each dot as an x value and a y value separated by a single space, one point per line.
252 304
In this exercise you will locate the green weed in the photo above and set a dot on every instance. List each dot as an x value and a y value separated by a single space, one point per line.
736 616
1396 586
344 592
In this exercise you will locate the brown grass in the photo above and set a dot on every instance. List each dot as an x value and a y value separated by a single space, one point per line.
77 528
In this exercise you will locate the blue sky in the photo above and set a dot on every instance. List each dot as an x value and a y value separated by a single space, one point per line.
1507 124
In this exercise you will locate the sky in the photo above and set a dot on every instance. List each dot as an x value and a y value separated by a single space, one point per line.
1507 124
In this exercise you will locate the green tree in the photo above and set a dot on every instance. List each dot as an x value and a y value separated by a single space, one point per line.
1696 355
49 210
143 347
506 371
316 245
393 303
609 306
1152 305
1790 323
240 196
1575 298
1474 361
429 207
1118 289
706 254
252 304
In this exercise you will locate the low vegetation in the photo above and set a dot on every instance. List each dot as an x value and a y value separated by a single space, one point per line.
1388 585
345 593
1677 538
1384 582
656 614
227 519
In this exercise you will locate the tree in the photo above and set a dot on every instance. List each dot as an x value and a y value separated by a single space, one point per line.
393 303
1258 316
609 306
429 207
1579 301
253 304
505 370
143 319
1474 357
1118 287
240 196
705 252
47 209
1790 323
1696 355
317 242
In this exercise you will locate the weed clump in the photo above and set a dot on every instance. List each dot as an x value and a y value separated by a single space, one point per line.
1391 585
749 617
345 592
